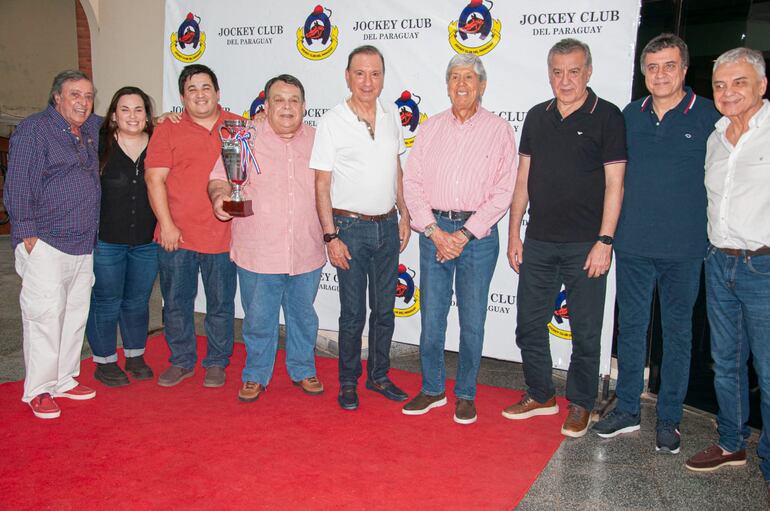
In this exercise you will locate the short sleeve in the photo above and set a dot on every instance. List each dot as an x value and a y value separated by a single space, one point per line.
614 137
322 156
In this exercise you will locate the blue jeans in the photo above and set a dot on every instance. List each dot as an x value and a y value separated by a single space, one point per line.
738 302
678 281
374 248
545 268
262 296
471 274
179 285
120 297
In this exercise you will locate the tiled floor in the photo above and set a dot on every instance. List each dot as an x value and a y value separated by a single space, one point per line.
589 473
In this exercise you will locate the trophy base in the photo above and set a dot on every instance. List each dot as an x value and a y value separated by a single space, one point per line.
237 209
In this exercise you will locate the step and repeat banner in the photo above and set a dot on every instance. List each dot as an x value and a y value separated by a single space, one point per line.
246 42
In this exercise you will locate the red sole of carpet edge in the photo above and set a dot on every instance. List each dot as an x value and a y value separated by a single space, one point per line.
189 447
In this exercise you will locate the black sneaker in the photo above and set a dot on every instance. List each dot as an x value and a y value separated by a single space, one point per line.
111 375
616 423
138 368
348 398
667 437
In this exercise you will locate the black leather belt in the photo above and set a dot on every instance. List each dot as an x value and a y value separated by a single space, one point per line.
359 216
454 215
737 252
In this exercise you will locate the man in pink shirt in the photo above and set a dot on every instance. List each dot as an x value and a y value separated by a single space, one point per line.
279 249
458 183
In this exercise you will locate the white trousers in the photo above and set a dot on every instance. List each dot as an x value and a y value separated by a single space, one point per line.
55 296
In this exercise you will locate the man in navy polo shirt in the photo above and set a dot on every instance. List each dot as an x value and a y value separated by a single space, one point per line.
572 160
661 237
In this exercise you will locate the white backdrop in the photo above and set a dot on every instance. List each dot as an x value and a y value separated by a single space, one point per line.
246 42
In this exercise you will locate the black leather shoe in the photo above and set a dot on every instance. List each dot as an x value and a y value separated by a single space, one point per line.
138 368
111 375
348 398
387 389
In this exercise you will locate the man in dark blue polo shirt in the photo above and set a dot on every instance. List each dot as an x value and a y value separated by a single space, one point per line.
52 193
572 160
661 238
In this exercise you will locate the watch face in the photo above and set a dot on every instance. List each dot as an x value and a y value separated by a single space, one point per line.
607 240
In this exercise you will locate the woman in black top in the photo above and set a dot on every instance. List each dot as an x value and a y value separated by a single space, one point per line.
125 258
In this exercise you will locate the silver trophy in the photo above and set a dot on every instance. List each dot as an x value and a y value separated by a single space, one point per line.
236 153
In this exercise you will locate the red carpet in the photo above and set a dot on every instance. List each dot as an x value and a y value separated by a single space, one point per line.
189 447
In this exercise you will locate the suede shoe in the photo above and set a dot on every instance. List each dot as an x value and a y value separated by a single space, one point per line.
173 375
577 421
465 411
528 407
423 403
215 377
348 397
388 389
312 385
79 393
250 391
713 457
110 374
617 423
667 437
44 407
138 368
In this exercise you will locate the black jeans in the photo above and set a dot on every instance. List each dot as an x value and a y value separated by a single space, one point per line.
545 268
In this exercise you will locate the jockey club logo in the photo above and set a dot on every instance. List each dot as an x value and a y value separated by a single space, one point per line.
407 293
559 325
475 31
318 38
411 117
189 42
257 106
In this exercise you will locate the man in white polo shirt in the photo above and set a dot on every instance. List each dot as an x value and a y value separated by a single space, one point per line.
358 192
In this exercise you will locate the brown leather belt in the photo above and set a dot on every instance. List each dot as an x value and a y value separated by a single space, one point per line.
359 216
454 215
737 252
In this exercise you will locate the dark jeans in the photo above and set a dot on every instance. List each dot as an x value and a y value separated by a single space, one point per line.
545 268
120 297
374 248
179 285
470 275
738 302
678 281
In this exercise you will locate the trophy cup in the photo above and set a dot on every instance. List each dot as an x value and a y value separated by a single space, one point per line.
236 154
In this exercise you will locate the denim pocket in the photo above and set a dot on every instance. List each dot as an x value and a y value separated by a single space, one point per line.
759 265
343 223
710 251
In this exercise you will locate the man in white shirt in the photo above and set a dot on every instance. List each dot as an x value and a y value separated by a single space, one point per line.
358 190
738 260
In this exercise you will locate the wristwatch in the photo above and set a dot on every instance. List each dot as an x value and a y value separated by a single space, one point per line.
468 234
428 232
607 240
330 236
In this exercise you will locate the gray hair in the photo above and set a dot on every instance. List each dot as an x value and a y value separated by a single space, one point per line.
569 45
662 42
467 60
61 78
753 57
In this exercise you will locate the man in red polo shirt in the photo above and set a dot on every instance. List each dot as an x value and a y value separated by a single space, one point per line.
179 159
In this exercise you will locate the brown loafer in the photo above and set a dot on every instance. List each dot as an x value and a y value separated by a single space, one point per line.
713 457
250 391
312 385
465 412
215 377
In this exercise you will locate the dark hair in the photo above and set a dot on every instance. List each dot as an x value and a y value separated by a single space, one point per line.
109 127
196 69
65 76
289 79
366 49
662 42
